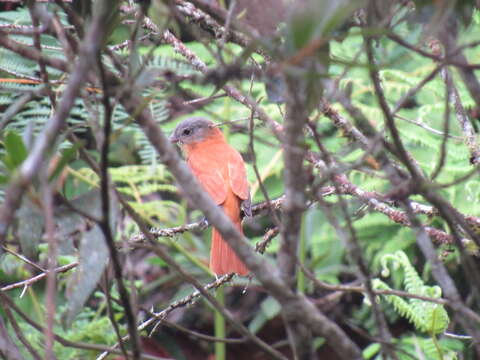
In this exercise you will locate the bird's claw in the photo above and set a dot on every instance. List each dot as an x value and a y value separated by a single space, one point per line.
204 223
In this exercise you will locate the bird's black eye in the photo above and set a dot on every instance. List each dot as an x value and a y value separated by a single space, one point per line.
186 132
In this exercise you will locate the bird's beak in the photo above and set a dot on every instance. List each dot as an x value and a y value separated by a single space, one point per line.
173 139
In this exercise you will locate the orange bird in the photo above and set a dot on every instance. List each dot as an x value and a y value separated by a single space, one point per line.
221 171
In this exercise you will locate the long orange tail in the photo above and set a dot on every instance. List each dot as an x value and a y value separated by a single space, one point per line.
223 259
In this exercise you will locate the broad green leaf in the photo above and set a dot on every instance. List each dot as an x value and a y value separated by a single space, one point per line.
93 260
15 150
93 253
29 232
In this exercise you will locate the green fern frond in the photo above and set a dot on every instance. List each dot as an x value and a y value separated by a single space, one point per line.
458 151
426 316
164 63
5 101
150 178
158 212
139 183
402 307
147 152
147 189
20 16
414 135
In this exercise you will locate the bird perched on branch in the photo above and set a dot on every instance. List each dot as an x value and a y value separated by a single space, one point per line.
220 170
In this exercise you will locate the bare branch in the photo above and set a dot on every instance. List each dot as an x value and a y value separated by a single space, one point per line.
32 280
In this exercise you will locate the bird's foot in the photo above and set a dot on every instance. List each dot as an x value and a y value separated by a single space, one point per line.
204 223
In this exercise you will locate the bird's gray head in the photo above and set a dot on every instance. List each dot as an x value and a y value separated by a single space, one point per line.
192 130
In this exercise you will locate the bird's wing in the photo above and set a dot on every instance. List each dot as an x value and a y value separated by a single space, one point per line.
238 175
209 176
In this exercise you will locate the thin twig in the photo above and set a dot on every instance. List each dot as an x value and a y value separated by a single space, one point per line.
105 223
51 291
23 258
32 280
111 316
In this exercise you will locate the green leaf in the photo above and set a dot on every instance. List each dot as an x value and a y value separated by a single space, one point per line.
29 230
269 309
157 261
67 155
4 179
92 262
93 256
371 350
16 151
